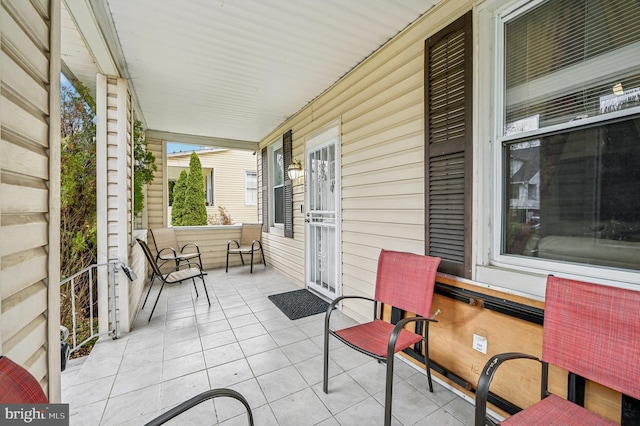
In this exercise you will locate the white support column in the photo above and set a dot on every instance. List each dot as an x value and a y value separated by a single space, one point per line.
101 202
114 152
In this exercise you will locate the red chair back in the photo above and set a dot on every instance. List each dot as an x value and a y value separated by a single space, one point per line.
18 386
406 281
594 331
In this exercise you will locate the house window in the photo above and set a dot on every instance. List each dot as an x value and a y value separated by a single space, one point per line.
276 168
277 189
209 188
569 132
250 188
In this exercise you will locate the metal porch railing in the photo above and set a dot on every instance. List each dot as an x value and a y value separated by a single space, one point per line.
82 293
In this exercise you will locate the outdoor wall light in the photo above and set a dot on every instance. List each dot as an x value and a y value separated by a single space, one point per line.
294 170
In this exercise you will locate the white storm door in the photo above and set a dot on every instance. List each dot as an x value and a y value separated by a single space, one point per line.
322 216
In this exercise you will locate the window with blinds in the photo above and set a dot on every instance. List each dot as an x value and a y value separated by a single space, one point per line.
277 190
571 81
569 60
448 139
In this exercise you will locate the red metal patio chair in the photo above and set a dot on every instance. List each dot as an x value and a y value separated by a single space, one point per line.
18 386
590 330
405 281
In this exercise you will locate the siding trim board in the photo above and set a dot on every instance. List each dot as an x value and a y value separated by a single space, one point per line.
448 146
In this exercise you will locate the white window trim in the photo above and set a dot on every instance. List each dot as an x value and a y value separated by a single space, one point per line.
248 202
512 273
276 228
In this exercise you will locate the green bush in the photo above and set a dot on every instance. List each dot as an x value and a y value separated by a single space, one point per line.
195 207
177 210
144 166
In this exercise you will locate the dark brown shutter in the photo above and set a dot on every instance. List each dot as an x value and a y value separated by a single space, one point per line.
448 149
265 190
287 147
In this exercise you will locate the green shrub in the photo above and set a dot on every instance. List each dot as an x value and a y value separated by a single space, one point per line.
177 210
195 207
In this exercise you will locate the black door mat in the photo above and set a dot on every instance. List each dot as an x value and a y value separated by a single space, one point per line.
299 303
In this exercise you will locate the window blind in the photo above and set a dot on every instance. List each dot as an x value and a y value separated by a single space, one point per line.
566 60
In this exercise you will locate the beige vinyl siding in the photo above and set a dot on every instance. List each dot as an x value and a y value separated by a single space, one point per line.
155 201
286 254
229 168
380 105
213 243
29 189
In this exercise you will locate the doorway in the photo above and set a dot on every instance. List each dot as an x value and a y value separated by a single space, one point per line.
322 217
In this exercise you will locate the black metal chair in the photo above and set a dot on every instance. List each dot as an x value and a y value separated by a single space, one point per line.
167 248
249 243
213 393
181 272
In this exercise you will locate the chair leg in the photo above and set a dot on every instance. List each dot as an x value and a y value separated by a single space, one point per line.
153 277
325 370
427 364
194 286
251 269
205 290
227 269
158 298
262 255
241 258
388 392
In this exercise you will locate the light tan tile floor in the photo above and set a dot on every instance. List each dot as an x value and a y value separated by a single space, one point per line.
242 341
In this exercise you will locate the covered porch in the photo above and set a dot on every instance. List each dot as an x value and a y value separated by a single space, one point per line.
244 342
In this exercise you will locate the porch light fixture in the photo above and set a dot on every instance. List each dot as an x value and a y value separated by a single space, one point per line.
294 170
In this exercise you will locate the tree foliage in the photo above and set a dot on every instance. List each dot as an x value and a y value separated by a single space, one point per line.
144 166
179 190
195 207
78 228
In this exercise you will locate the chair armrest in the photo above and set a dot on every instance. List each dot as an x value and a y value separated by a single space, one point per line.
486 376
188 265
398 328
255 242
213 393
190 245
337 300
167 256
232 241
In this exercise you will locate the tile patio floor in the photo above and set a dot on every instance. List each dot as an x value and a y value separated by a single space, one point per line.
242 341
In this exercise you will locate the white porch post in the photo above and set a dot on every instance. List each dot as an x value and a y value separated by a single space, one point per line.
114 152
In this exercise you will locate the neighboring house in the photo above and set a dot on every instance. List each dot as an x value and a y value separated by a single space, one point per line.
407 151
230 178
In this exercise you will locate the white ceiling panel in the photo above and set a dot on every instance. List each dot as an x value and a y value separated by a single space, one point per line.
236 69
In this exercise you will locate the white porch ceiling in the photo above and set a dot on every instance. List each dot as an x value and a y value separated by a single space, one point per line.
231 70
